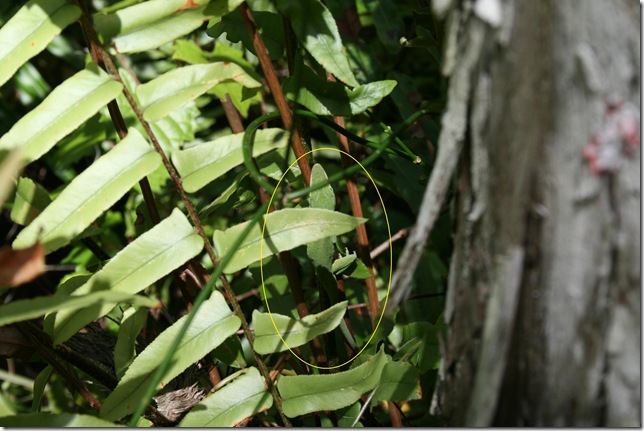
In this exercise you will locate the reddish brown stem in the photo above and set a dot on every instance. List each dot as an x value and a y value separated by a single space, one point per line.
361 230
276 90
232 115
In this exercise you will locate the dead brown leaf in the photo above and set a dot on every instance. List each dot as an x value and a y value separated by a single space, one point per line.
21 266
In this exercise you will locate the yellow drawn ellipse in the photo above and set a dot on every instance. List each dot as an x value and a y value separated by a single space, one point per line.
261 263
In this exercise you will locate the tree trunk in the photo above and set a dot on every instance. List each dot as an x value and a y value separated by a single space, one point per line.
543 304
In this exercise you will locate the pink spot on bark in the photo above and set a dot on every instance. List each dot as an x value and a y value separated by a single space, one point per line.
618 138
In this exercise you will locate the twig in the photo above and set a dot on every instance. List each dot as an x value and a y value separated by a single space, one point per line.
402 233
364 407
29 331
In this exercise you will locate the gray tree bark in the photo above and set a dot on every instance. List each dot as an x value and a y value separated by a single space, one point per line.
543 304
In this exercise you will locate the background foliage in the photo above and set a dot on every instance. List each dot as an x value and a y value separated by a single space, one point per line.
110 307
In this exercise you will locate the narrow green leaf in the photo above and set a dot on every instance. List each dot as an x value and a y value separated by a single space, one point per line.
31 199
26 309
323 97
40 384
67 107
133 320
315 28
138 16
325 197
321 251
172 89
30 30
91 193
213 323
294 332
399 381
351 266
10 165
307 394
285 230
231 352
161 32
205 162
340 265
189 52
48 420
243 397
347 416
151 256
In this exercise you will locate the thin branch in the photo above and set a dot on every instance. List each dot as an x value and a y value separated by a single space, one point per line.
43 346
402 233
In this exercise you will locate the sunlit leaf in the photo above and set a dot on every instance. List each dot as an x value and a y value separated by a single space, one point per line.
243 397
67 107
91 193
151 256
294 332
351 266
205 162
312 393
26 309
10 165
213 323
161 32
21 266
150 24
31 199
124 350
316 29
172 89
30 30
323 97
60 420
399 381
285 230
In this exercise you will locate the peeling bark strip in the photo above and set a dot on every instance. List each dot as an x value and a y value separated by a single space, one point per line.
450 144
544 287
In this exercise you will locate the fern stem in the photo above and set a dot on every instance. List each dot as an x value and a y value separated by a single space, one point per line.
276 90
361 230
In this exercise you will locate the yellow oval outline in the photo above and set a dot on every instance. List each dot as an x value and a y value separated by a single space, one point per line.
261 262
